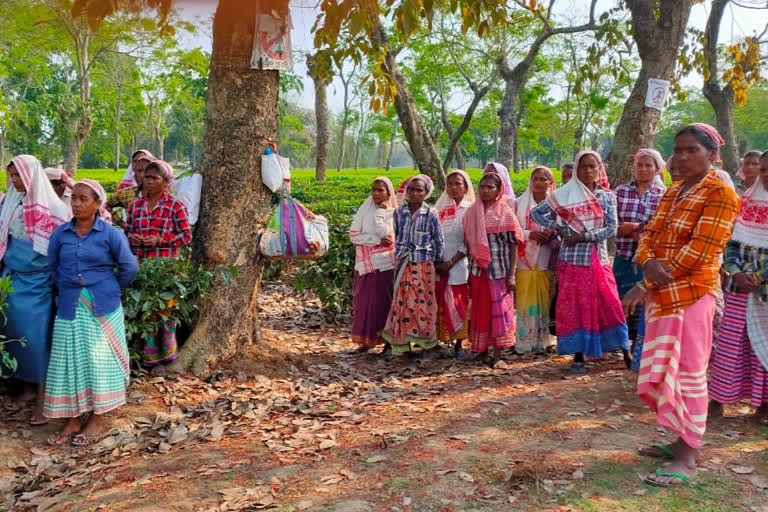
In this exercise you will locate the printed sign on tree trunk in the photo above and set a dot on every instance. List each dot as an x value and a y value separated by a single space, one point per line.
272 42
658 92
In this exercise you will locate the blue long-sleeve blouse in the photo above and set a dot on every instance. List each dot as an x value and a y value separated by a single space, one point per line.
101 261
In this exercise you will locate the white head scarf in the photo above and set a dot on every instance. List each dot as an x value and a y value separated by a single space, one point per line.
445 200
43 210
575 203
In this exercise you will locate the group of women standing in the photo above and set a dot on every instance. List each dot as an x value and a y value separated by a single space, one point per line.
660 294
417 268
67 265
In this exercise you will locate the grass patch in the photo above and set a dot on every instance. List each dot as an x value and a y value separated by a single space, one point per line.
611 486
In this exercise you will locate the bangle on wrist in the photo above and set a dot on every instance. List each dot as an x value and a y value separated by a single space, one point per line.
642 286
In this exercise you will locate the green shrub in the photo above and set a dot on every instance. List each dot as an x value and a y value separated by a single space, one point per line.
6 361
164 289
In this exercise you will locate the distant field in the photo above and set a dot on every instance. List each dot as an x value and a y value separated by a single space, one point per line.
348 185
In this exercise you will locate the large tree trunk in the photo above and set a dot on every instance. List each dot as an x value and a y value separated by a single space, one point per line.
241 118
321 116
423 150
508 123
658 32
721 98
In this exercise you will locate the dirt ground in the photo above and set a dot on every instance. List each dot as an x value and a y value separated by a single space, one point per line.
343 432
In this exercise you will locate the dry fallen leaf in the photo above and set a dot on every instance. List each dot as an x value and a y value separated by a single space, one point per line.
465 476
328 443
742 470
375 459
758 481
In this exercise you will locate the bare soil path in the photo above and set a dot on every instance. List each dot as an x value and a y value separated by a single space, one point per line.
344 432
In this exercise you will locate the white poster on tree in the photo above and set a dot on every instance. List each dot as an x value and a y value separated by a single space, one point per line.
658 94
272 42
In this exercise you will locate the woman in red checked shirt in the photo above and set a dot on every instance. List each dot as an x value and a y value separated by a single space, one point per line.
157 225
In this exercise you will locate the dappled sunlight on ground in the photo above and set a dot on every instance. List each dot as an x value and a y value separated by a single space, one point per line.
333 430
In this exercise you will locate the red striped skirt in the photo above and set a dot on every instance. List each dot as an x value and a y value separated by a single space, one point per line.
673 368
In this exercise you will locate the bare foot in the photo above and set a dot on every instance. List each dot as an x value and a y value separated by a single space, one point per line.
677 472
674 474
715 409
762 414
71 427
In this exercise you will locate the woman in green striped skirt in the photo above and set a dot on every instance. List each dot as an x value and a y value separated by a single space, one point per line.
89 365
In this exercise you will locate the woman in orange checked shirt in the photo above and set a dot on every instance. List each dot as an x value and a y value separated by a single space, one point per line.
680 256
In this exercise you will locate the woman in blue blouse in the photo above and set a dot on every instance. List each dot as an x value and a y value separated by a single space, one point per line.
89 366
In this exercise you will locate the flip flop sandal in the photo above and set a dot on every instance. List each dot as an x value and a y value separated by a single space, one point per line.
578 369
86 439
684 479
38 421
666 451
58 439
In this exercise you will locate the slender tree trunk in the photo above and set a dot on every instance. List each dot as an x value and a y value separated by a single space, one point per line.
658 32
160 142
344 121
2 145
391 145
241 118
423 149
720 97
117 127
321 117
460 162
360 132
379 154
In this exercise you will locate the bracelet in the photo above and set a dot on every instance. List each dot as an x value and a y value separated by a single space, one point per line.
642 286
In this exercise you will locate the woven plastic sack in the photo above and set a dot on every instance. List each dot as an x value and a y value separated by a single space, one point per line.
293 232
274 169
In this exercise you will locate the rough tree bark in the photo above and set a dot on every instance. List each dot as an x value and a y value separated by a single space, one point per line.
658 29
241 118
516 77
321 116
423 150
719 96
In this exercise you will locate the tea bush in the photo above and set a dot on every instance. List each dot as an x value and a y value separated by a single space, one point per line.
164 289
6 361
337 199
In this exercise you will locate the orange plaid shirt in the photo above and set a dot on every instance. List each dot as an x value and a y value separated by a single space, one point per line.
688 235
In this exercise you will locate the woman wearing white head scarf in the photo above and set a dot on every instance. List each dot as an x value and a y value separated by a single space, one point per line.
373 235
30 212
534 274
453 272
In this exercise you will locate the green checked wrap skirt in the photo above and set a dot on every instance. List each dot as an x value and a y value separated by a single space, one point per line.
89 365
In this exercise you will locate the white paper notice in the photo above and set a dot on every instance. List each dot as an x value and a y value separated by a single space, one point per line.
272 43
658 93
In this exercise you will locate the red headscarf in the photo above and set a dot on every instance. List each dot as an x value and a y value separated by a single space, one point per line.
713 134
499 217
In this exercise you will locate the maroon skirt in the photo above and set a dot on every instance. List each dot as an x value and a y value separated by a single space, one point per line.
371 300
